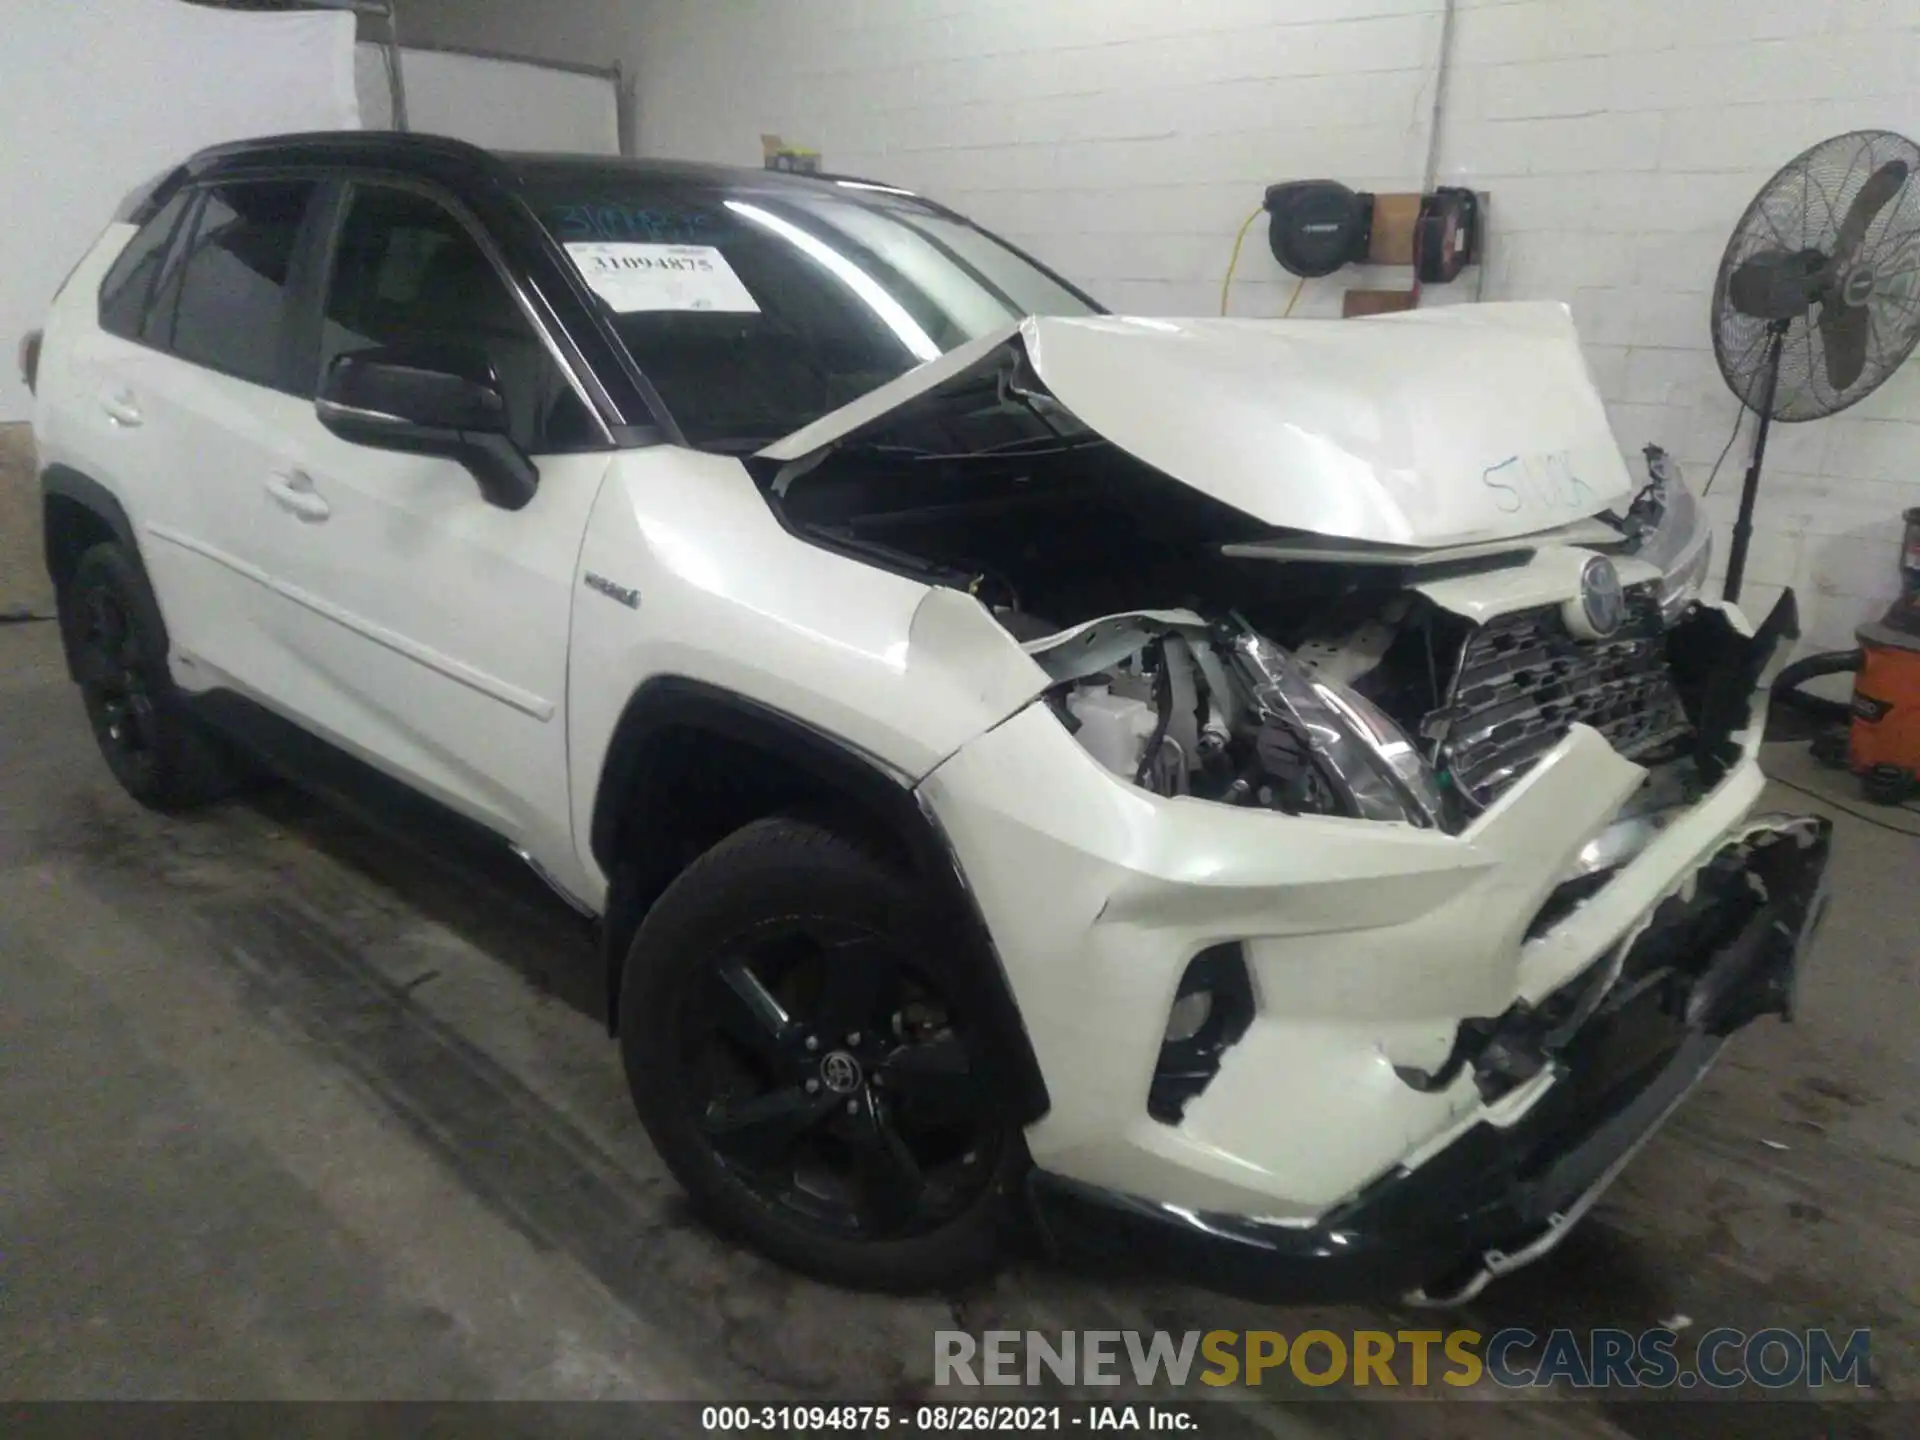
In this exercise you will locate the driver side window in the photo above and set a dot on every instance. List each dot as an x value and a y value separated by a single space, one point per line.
407 271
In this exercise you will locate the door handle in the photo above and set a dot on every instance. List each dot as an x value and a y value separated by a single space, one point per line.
293 492
121 407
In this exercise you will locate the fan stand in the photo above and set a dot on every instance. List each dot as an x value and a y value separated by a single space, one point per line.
1750 487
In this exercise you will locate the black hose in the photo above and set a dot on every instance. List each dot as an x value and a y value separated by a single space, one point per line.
1786 685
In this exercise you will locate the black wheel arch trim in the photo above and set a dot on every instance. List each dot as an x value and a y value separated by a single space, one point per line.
72 484
63 482
668 704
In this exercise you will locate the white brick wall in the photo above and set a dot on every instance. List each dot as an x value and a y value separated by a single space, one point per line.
1715 95
1125 140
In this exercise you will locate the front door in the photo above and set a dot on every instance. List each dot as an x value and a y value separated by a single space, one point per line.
428 627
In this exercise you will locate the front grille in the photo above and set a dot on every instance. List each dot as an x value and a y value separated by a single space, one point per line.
1525 680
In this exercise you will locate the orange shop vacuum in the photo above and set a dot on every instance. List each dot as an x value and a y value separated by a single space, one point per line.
1883 740
1882 736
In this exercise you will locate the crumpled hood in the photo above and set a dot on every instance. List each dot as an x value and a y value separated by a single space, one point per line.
1427 428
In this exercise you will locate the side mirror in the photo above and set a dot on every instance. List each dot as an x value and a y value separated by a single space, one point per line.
438 400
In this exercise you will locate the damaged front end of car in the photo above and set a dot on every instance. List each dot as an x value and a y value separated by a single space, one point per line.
1663 934
1240 599
1370 856
1605 1059
1604 1034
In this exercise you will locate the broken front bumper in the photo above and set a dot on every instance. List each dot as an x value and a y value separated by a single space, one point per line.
1604 1058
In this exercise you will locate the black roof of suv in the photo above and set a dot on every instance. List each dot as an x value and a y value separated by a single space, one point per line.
457 164
656 374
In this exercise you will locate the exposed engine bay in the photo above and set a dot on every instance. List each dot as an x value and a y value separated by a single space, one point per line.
1197 653
1404 716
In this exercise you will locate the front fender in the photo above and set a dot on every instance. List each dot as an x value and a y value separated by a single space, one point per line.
715 592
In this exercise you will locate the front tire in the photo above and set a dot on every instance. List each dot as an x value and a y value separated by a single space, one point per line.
788 1026
158 752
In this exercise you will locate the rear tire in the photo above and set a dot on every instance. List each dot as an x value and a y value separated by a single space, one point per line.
159 753
789 1037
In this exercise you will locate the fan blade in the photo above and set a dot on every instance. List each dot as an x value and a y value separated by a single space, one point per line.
1873 196
1843 334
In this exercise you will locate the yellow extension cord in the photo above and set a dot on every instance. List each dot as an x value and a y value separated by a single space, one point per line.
1233 263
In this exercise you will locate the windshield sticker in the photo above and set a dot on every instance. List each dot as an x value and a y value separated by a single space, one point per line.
629 222
632 277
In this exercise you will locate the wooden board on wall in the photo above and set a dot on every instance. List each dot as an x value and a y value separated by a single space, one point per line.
1394 219
1374 302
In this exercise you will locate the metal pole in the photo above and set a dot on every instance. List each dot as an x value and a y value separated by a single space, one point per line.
1442 68
394 79
1750 487
622 111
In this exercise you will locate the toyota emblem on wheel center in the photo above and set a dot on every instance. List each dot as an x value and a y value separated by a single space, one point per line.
841 1072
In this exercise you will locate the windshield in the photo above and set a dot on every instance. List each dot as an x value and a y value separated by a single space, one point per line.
757 308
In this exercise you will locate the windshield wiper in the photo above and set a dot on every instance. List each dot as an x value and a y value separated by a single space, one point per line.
736 444
1005 450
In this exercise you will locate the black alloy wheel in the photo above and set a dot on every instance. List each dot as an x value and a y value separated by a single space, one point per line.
828 1077
112 666
798 1039
117 646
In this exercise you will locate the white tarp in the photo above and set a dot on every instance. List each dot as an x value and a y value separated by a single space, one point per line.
501 104
99 95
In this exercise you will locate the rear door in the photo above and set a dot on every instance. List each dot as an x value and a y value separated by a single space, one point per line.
215 397
105 423
423 627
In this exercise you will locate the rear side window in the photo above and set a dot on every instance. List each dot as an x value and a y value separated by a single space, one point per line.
124 293
229 297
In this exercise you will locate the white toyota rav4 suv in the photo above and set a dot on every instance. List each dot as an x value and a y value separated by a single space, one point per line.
1268 796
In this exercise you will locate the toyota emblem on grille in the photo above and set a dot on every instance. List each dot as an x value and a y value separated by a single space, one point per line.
1603 604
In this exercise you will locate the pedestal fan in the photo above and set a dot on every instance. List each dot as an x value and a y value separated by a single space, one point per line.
1818 297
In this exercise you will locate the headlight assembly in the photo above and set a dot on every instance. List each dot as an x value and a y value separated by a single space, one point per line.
1367 762
1674 535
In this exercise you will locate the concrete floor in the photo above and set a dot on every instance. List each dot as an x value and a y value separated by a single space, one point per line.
288 1111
